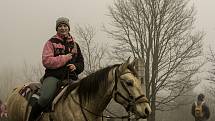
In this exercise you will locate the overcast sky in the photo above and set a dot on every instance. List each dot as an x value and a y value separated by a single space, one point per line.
27 24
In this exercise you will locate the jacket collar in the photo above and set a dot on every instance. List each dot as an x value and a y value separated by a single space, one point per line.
69 38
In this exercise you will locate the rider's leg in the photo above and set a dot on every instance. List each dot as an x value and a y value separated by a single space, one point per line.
48 91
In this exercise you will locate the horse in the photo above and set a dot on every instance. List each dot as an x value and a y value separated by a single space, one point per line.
88 100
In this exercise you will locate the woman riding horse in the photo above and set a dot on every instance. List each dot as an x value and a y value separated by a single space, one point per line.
88 100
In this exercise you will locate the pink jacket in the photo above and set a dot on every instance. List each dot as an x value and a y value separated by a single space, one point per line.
48 59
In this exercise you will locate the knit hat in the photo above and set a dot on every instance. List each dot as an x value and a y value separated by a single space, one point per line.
62 20
201 97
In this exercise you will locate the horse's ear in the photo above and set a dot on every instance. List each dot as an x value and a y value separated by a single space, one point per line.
134 63
127 62
125 65
132 66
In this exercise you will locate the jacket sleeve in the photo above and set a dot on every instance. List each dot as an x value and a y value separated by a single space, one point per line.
193 109
207 111
79 63
49 60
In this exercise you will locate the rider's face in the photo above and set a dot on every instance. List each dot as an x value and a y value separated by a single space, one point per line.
63 29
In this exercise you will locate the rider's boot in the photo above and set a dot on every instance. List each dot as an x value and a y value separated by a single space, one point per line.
35 112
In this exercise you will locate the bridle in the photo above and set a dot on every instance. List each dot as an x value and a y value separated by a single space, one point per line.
131 100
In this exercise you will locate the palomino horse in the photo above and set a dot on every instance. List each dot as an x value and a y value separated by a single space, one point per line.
90 98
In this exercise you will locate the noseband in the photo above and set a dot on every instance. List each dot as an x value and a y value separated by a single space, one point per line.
131 100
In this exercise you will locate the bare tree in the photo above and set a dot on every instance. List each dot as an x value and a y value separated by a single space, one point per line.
32 72
94 54
161 34
10 78
182 112
211 60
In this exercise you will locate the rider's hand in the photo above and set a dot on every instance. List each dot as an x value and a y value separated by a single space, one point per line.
69 54
72 67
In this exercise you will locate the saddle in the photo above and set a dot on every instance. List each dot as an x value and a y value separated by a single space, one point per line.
28 90
31 92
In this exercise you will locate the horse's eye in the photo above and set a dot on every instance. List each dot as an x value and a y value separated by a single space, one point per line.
129 83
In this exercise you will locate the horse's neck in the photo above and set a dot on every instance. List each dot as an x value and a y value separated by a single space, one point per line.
103 96
94 106
102 99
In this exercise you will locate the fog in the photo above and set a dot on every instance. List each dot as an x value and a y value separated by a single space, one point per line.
27 24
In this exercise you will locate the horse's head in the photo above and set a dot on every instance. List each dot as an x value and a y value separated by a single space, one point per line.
129 92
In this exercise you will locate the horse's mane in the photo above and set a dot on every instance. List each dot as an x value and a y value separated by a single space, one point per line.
90 85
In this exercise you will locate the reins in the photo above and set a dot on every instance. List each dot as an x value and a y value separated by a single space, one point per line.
131 100
102 116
